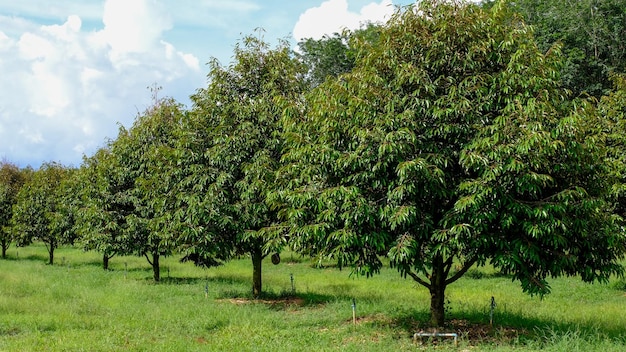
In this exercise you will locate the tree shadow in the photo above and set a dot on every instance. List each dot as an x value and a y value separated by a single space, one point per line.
11 258
181 280
212 281
229 279
29 257
475 328
282 300
478 274
90 263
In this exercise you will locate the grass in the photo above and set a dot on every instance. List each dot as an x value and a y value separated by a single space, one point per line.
76 306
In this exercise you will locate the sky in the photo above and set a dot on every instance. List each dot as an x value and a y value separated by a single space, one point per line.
73 71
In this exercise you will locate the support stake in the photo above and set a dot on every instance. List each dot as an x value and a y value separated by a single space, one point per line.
354 311
492 308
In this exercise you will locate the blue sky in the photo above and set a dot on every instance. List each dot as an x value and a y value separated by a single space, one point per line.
72 70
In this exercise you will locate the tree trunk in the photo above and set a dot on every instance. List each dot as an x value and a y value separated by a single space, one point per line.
5 246
155 267
105 261
51 254
437 306
257 259
437 293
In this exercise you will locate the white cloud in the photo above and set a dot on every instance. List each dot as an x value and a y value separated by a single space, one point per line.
5 42
333 16
65 88
66 31
133 26
32 46
49 91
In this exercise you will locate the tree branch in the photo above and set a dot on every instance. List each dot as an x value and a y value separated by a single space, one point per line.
418 279
463 270
148 259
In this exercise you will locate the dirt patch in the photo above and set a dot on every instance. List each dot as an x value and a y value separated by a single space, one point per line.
281 302
474 333
10 331
379 319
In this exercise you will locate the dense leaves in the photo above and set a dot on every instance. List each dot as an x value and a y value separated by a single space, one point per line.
127 197
138 161
448 145
333 55
103 206
443 139
41 212
11 180
592 33
609 120
234 146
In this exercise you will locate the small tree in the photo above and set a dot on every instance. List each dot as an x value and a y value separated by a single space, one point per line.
11 180
40 214
450 144
238 144
102 208
134 166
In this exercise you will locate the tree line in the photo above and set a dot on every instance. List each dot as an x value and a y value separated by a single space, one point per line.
452 135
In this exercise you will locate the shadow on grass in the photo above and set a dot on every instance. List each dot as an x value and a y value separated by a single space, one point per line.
212 281
283 300
477 274
180 280
509 328
28 257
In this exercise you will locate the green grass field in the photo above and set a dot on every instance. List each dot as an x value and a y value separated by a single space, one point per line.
76 306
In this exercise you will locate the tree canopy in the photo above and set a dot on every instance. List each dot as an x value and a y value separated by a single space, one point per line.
103 206
11 180
443 139
449 144
234 146
40 212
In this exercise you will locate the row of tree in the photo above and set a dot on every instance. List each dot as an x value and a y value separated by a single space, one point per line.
443 139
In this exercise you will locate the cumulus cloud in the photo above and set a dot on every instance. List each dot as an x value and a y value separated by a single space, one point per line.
334 15
65 88
133 26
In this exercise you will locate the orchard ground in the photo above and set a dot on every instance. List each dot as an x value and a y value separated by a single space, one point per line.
75 305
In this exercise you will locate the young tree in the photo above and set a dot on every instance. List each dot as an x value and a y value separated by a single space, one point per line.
448 145
11 180
40 214
140 204
237 145
103 206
